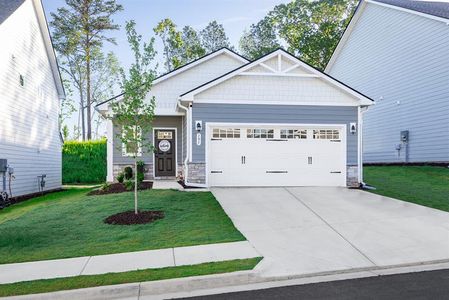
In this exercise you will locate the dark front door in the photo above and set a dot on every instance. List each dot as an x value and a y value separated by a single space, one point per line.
165 152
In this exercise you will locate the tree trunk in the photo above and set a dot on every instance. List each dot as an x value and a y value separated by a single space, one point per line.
88 96
135 185
83 122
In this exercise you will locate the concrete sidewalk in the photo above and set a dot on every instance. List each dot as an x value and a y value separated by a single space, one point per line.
123 262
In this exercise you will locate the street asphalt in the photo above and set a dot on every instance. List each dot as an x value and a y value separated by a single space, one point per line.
422 285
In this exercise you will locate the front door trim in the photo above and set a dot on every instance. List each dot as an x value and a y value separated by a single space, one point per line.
176 149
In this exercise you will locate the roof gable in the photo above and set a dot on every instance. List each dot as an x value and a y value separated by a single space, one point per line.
279 64
437 9
434 10
8 7
183 69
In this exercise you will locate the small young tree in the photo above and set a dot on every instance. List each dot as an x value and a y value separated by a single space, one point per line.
135 112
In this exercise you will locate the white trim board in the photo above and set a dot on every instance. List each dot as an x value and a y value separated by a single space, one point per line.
362 100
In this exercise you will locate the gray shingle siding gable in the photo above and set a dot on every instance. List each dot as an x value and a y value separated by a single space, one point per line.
403 58
295 114
438 9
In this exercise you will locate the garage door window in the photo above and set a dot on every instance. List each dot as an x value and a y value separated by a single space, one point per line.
293 134
259 133
226 133
326 134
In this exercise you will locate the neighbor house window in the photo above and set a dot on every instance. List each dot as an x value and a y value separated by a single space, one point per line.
259 133
224 133
130 149
293 134
326 134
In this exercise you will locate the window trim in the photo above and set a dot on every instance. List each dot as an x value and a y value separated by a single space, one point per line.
297 133
251 133
139 147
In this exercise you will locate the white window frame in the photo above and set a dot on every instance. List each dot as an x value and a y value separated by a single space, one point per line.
139 146
229 132
251 133
327 131
297 134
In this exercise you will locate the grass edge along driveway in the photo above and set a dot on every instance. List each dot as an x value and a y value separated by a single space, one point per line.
70 224
85 281
423 185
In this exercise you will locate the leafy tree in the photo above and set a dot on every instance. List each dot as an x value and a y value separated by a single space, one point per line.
259 40
171 41
191 48
133 114
312 29
213 37
65 132
78 29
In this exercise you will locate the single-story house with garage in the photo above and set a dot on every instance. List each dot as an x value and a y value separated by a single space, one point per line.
225 121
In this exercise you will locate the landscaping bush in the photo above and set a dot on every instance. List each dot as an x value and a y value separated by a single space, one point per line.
84 162
128 172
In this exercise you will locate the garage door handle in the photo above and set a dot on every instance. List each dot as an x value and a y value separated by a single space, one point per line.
335 172
243 160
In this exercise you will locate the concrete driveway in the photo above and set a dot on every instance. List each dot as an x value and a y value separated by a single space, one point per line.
309 230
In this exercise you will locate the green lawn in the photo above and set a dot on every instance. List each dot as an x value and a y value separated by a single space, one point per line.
424 185
70 224
51 285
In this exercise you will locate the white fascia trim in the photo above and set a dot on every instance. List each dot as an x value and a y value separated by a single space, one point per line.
444 20
362 100
278 74
277 103
199 61
51 55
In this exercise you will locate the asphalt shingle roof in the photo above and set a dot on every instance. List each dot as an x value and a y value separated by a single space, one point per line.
438 9
8 7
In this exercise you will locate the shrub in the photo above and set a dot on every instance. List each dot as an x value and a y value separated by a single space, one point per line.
128 173
129 185
121 177
105 186
140 177
84 162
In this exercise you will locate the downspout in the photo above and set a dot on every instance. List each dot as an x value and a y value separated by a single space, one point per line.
186 160
363 185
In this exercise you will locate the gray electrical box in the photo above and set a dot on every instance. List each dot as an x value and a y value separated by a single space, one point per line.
3 165
404 136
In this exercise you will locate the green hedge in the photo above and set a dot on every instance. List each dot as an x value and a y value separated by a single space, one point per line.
84 162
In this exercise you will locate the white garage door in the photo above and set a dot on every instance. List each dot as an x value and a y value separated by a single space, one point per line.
276 156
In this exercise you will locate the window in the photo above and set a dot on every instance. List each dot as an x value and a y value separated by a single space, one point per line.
293 134
224 133
326 134
259 133
131 149
164 135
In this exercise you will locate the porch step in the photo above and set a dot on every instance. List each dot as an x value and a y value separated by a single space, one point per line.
166 185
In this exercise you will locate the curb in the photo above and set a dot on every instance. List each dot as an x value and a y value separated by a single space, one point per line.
206 284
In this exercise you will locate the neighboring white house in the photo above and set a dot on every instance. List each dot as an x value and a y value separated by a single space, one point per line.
30 91
224 121
397 53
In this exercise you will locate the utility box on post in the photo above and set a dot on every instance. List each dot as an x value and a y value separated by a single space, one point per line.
404 136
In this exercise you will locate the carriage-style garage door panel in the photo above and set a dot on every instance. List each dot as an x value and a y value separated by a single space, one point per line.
277 156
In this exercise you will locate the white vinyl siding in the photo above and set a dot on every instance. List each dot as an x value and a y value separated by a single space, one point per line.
29 133
168 91
400 60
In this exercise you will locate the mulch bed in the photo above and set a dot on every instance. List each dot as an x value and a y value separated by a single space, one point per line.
115 188
130 218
